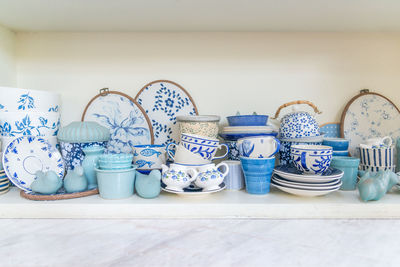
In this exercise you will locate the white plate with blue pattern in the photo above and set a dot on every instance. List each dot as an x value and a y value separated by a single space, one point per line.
26 155
128 123
163 101
292 174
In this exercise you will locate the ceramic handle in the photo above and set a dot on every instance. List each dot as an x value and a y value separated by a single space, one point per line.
278 145
226 152
223 164
193 174
316 110
170 154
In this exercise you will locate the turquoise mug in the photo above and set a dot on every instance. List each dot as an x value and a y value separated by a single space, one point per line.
116 184
349 166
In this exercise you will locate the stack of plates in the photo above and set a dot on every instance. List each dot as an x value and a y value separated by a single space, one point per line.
233 133
291 180
4 183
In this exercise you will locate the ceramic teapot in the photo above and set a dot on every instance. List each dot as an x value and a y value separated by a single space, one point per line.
210 177
177 177
297 124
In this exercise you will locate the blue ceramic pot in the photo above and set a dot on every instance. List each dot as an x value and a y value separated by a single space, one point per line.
349 166
247 120
116 184
337 144
257 173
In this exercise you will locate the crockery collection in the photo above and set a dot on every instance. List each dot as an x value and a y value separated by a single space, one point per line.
158 142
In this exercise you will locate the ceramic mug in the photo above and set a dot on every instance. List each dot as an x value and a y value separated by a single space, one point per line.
377 142
210 177
380 157
258 146
184 156
349 166
149 157
234 180
203 146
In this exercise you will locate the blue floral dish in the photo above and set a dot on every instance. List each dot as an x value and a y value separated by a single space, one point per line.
247 120
287 171
311 159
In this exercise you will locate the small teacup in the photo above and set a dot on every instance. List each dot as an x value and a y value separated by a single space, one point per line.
149 157
177 177
209 177
205 147
184 156
258 146
377 142
311 159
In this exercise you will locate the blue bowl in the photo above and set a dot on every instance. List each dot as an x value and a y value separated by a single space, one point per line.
344 153
337 144
257 173
247 120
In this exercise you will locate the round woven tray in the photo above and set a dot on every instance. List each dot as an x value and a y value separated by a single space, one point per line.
33 196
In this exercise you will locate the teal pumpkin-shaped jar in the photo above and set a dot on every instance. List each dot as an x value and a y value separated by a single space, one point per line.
89 163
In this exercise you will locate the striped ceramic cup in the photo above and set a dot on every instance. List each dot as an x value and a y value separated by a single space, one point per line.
382 157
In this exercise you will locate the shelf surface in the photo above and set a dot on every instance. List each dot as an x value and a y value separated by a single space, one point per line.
225 204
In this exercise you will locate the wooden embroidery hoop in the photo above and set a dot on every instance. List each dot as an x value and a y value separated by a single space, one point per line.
105 91
174 83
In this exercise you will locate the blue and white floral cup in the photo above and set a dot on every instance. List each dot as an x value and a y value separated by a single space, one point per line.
204 147
183 156
311 159
258 146
149 157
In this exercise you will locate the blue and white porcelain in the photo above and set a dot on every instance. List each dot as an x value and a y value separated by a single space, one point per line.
304 192
177 177
311 159
72 152
293 174
149 157
310 186
233 150
363 167
163 101
247 120
26 155
236 136
29 123
211 176
331 130
182 155
378 142
377 157
285 157
205 147
257 174
258 146
192 190
125 119
18 99
337 144
370 116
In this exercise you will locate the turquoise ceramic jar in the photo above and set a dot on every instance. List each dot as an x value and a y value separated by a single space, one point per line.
92 153
116 184
349 166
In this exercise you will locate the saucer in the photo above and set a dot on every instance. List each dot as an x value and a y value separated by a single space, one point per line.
193 190
288 182
294 175
304 192
307 186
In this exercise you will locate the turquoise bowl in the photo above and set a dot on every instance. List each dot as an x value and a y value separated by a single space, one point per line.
344 153
257 173
349 166
337 144
116 184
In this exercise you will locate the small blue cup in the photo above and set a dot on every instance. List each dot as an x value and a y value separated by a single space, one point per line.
349 166
116 184
337 144
257 173
344 153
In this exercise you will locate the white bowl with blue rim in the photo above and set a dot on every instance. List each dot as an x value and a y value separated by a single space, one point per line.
312 159
29 123
18 99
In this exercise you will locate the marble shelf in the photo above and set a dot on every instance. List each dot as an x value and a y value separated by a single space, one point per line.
225 204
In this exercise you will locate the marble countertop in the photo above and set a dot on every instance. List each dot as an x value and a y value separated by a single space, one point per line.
223 242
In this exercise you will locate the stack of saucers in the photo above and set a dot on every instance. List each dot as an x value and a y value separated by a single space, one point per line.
4 183
293 181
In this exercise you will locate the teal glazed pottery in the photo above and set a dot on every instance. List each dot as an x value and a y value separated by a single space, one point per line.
92 153
349 166
46 183
115 161
337 144
148 186
116 184
398 154
75 180
374 185
257 174
78 135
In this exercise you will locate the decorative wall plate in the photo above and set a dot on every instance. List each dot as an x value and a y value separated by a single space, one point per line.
163 101
26 155
331 129
127 121
369 115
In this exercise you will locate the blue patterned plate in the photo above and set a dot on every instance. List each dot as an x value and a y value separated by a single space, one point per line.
192 190
26 155
127 121
163 101
291 173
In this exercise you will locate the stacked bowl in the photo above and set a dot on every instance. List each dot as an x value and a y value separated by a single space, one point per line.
242 126
340 146
311 174
28 112
4 183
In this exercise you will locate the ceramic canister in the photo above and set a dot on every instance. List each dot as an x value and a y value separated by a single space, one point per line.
203 125
378 157
234 180
149 157
349 166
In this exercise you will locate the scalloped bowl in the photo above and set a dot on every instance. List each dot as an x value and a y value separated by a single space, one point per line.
115 161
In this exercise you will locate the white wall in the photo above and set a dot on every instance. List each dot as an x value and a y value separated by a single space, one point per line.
7 57
224 72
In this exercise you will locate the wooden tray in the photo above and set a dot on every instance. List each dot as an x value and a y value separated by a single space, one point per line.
60 196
